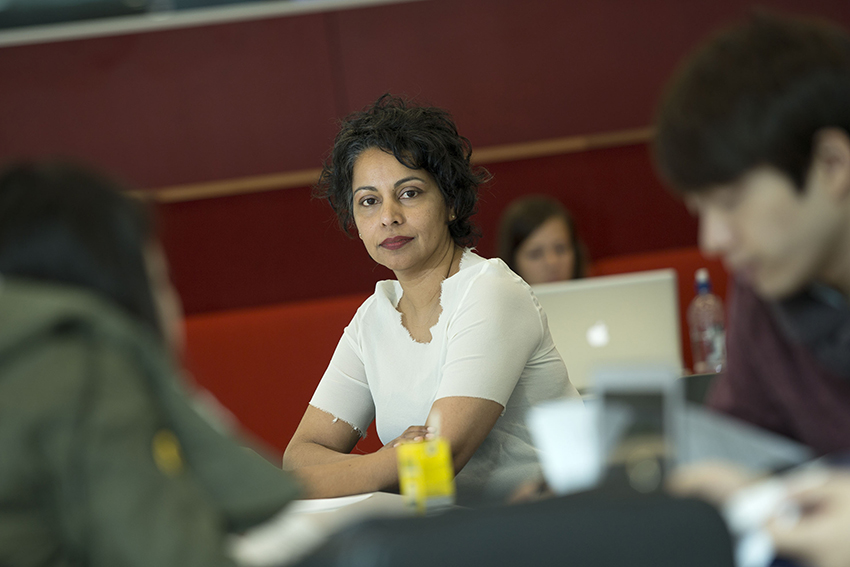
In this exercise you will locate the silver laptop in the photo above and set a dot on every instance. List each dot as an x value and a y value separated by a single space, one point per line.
614 321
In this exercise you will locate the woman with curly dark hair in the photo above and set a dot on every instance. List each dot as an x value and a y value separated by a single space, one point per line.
454 334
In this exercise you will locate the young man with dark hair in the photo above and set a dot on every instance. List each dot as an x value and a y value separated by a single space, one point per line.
754 133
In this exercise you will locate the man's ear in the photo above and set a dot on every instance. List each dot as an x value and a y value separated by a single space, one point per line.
831 160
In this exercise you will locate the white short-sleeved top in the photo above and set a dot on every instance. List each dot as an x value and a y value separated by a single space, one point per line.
491 341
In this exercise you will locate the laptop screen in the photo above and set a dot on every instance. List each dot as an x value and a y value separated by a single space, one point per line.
620 319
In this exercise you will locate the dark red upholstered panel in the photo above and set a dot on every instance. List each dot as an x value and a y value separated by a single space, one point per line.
227 100
177 106
521 70
685 261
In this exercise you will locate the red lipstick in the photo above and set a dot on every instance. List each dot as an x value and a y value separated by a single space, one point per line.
396 242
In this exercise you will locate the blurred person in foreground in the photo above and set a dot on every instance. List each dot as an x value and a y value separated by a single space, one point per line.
105 462
538 241
454 334
754 133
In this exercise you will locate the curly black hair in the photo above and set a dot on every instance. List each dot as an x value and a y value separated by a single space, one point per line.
754 94
420 137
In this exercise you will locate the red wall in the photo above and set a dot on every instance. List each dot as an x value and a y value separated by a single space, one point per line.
231 100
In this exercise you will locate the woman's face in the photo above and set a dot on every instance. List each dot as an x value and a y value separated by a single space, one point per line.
400 213
548 254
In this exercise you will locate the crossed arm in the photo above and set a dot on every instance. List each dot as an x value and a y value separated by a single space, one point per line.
320 450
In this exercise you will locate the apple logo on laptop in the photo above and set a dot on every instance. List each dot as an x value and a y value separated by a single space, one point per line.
597 334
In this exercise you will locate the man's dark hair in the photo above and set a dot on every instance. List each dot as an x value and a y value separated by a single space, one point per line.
62 223
420 137
755 94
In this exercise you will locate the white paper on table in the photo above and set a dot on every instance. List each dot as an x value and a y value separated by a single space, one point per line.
283 540
566 433
305 524
324 504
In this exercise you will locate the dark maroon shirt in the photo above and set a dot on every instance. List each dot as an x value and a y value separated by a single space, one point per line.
775 380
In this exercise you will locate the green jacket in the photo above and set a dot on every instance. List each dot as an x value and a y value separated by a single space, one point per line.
103 461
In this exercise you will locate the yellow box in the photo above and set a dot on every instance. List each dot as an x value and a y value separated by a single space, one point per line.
426 474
